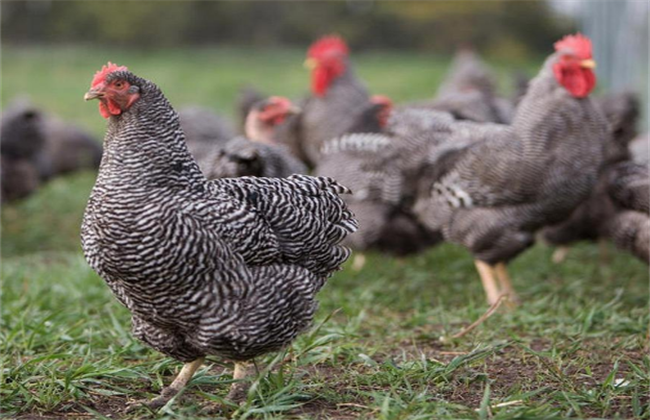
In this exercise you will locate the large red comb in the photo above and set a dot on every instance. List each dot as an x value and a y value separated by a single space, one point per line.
109 68
578 43
327 44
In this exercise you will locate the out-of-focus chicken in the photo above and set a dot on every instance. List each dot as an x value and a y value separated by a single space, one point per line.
469 92
261 152
338 100
587 221
491 194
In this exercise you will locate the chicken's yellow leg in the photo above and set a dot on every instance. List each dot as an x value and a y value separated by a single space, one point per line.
239 389
487 274
560 254
359 261
169 392
504 283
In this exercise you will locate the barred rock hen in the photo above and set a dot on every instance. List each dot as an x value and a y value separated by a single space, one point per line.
262 153
338 98
228 267
494 193
587 221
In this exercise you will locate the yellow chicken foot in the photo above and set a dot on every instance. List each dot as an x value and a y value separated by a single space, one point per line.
239 389
487 274
170 392
506 286
359 262
560 254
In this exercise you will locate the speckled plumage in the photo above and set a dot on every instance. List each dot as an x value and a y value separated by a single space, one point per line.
588 221
492 194
228 267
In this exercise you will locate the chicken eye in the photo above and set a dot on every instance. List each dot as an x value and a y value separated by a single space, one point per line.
119 85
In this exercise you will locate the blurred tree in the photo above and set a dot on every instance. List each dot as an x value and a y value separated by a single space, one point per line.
503 27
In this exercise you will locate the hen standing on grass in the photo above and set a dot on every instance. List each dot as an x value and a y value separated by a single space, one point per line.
493 194
229 267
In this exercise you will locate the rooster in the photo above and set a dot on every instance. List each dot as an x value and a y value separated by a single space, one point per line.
228 267
338 98
492 187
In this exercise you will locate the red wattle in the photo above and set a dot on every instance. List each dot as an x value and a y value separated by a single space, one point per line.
104 110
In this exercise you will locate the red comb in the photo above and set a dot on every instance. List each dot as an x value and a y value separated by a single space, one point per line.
578 43
327 44
109 68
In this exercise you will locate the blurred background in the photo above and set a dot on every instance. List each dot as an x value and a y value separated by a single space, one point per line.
204 52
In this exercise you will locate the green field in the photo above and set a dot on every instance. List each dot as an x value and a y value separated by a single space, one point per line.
576 347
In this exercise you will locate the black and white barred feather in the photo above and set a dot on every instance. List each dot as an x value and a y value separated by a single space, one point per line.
228 267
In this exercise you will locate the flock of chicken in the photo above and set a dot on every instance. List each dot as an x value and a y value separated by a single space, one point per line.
218 243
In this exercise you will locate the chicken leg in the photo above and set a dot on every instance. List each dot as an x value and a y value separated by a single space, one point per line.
560 254
359 262
170 392
239 389
505 285
488 278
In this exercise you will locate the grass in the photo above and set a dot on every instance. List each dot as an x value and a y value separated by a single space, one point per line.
577 347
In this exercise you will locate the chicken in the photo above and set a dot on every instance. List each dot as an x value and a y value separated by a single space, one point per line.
629 228
382 170
52 146
22 139
338 100
469 92
246 98
587 221
67 149
262 153
364 161
228 267
205 130
494 186
22 131
19 178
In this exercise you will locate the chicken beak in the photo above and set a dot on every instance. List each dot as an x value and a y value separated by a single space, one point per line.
93 94
310 63
588 64
293 110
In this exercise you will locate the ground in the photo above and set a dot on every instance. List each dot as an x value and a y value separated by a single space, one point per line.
381 346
